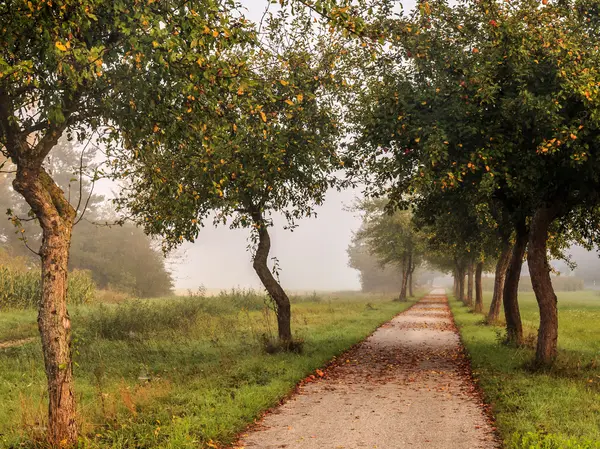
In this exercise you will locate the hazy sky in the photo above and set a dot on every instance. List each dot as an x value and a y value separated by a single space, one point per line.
313 256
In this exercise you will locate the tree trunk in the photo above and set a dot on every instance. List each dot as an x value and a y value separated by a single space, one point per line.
411 266
470 275
461 284
56 217
539 269
478 288
405 273
499 280
455 287
514 328
275 291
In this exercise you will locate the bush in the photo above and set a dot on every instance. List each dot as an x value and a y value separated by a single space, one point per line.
21 288
140 319
239 298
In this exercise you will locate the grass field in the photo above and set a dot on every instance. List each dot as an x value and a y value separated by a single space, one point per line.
556 409
177 373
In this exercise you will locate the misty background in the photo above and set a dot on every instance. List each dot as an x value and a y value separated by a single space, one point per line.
311 257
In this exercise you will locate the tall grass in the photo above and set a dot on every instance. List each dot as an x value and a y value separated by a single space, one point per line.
180 373
22 289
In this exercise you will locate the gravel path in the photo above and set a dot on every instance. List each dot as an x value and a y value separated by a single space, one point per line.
406 386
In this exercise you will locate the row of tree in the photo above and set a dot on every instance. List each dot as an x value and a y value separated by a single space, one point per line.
482 117
199 113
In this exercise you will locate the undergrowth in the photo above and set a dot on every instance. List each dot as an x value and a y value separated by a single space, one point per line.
180 373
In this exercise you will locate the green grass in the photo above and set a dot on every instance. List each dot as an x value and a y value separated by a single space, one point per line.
210 375
17 324
559 408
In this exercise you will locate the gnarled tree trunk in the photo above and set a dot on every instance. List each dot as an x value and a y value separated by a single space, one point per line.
478 288
539 269
275 291
470 275
499 280
56 217
514 327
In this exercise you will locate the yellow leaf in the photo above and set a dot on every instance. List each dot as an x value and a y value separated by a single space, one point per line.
263 116
418 139
290 102
156 128
215 33
300 97
155 44
60 46
284 82
234 127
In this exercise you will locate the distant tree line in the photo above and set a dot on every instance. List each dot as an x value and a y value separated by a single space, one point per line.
119 257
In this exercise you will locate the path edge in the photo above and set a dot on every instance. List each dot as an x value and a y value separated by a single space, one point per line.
467 368
254 425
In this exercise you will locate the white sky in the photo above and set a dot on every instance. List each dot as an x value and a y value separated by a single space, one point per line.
312 257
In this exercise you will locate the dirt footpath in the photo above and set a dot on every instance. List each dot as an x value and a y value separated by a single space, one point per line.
14 343
404 387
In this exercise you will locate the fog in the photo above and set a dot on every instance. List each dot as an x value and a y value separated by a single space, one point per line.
312 257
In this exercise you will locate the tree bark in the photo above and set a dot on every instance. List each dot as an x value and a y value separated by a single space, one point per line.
455 287
405 272
411 266
56 217
461 285
499 280
274 289
470 275
514 327
478 288
539 269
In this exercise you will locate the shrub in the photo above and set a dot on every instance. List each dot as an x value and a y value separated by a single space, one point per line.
21 288
136 318
239 298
